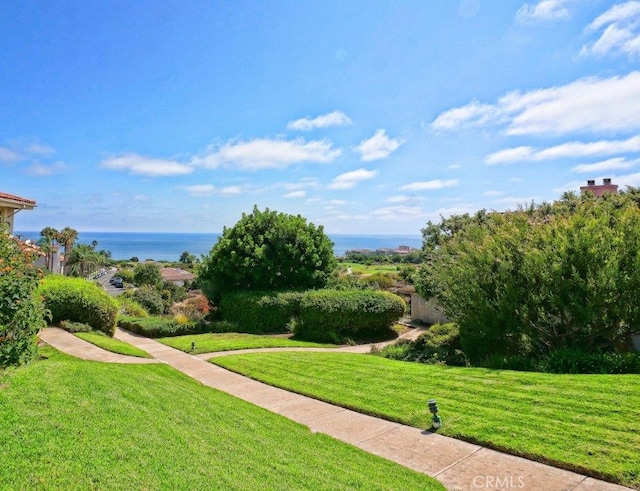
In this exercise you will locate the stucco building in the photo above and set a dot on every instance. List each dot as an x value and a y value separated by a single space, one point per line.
10 205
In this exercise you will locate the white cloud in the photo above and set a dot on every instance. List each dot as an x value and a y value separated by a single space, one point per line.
544 10
620 27
9 156
379 146
230 190
565 150
40 150
398 213
335 118
430 185
350 179
264 153
39 169
587 105
401 198
509 155
22 152
141 198
473 114
295 194
606 165
202 190
493 193
146 166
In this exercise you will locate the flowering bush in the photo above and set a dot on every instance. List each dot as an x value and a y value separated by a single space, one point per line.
21 313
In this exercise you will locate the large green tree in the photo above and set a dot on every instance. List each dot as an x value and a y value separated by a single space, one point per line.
267 250
541 278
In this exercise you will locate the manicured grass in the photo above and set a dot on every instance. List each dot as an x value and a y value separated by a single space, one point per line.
587 423
367 269
75 425
208 343
110 344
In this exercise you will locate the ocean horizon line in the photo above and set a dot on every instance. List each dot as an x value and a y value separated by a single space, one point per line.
168 246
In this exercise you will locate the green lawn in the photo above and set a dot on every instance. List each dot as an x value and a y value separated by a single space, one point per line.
587 423
367 269
76 425
208 343
111 344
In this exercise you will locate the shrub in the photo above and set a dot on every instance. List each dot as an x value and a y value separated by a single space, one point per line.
267 251
338 316
260 312
21 313
147 274
196 307
439 345
380 281
575 361
126 275
71 326
150 299
79 300
158 327
128 306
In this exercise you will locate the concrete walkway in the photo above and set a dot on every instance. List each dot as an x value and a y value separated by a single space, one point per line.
74 346
460 466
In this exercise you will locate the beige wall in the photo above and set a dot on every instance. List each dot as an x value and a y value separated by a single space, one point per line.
426 311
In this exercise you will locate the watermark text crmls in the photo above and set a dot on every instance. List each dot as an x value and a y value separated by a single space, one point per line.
498 482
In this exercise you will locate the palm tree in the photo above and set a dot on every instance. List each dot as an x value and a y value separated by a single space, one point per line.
67 236
49 236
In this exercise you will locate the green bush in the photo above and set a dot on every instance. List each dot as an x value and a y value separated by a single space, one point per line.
21 313
79 300
128 306
126 275
339 316
439 345
380 281
158 327
72 327
575 361
150 299
260 312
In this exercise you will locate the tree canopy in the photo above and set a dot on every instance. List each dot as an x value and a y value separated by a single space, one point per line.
267 250
542 278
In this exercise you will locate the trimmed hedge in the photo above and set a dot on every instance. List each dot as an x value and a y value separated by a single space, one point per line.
79 300
161 327
338 316
158 327
261 312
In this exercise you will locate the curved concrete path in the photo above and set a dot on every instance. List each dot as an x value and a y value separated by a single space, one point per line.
72 345
459 465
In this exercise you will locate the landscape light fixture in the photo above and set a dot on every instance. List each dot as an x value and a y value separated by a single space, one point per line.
436 421
193 345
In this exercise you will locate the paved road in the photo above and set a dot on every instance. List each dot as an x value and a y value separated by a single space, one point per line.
108 287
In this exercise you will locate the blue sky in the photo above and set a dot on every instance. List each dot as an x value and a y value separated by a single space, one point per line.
364 117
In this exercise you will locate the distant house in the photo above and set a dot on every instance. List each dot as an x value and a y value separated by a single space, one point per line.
599 189
176 276
10 205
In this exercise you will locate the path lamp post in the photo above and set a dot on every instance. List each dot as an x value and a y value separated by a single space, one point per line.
436 421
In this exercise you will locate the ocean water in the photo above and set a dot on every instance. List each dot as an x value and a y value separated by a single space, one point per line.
169 246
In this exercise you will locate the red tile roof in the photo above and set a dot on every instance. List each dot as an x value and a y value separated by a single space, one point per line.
18 199
176 274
